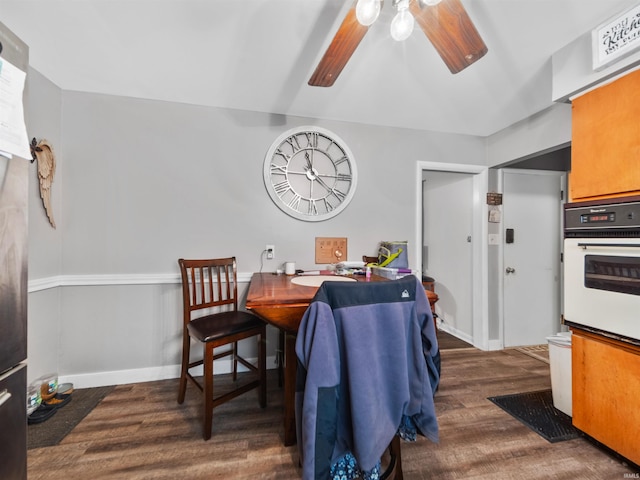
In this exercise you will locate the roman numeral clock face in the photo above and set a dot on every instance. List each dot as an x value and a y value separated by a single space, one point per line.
310 173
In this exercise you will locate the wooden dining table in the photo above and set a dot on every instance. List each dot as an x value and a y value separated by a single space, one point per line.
279 301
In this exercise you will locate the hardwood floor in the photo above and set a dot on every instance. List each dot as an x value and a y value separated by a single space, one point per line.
446 341
140 432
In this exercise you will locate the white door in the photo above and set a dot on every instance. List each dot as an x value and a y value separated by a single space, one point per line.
447 247
532 240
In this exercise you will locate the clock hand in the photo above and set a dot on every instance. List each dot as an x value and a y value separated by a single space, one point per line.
321 182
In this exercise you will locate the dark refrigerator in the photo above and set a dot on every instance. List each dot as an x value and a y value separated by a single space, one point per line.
14 189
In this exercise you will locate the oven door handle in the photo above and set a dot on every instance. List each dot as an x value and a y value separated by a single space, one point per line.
624 245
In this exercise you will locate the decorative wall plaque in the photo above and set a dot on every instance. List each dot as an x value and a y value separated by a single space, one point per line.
616 38
494 198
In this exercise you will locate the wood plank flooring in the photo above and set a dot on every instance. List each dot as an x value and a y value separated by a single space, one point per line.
140 432
446 341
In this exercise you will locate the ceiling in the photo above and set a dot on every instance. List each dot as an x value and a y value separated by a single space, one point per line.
259 54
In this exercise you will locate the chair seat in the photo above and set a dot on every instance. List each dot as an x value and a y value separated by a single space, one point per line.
219 325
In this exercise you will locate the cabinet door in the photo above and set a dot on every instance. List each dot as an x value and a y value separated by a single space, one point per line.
605 146
606 382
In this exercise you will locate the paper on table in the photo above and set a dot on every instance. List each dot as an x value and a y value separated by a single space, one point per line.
13 133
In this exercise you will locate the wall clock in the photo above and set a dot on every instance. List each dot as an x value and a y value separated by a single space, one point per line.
310 173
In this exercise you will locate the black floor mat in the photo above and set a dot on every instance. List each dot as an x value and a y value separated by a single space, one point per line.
536 411
52 431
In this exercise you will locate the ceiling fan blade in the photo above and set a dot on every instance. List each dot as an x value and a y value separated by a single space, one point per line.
451 31
344 43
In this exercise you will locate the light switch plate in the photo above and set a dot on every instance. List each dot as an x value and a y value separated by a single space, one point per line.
331 249
494 239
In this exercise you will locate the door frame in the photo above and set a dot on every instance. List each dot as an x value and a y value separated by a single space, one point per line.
500 256
479 267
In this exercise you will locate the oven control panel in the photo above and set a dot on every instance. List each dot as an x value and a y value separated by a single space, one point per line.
621 217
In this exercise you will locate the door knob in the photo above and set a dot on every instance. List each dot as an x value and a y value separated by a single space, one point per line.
510 270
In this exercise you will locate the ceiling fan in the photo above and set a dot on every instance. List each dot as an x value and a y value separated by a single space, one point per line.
445 23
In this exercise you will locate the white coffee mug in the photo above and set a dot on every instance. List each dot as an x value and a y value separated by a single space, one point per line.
290 268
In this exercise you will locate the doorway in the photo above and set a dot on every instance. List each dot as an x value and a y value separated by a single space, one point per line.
450 231
447 227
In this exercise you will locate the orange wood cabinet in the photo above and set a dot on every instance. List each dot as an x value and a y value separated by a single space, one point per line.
606 391
605 144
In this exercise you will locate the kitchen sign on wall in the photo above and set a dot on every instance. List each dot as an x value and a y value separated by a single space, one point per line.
616 38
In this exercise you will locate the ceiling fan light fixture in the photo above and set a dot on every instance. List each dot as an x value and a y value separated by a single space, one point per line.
367 11
402 23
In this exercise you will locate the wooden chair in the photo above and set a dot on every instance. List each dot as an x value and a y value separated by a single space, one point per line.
211 316
367 259
393 469
429 286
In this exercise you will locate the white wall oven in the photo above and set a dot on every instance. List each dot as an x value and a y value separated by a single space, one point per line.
602 267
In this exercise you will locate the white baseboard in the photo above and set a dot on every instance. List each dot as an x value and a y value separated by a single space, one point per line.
493 344
139 375
456 333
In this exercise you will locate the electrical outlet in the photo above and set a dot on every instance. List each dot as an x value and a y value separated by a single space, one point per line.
271 252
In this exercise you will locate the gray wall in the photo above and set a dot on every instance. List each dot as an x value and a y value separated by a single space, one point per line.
147 182
43 112
141 183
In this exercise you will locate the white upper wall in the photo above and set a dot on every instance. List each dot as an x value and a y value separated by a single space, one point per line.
543 132
573 69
